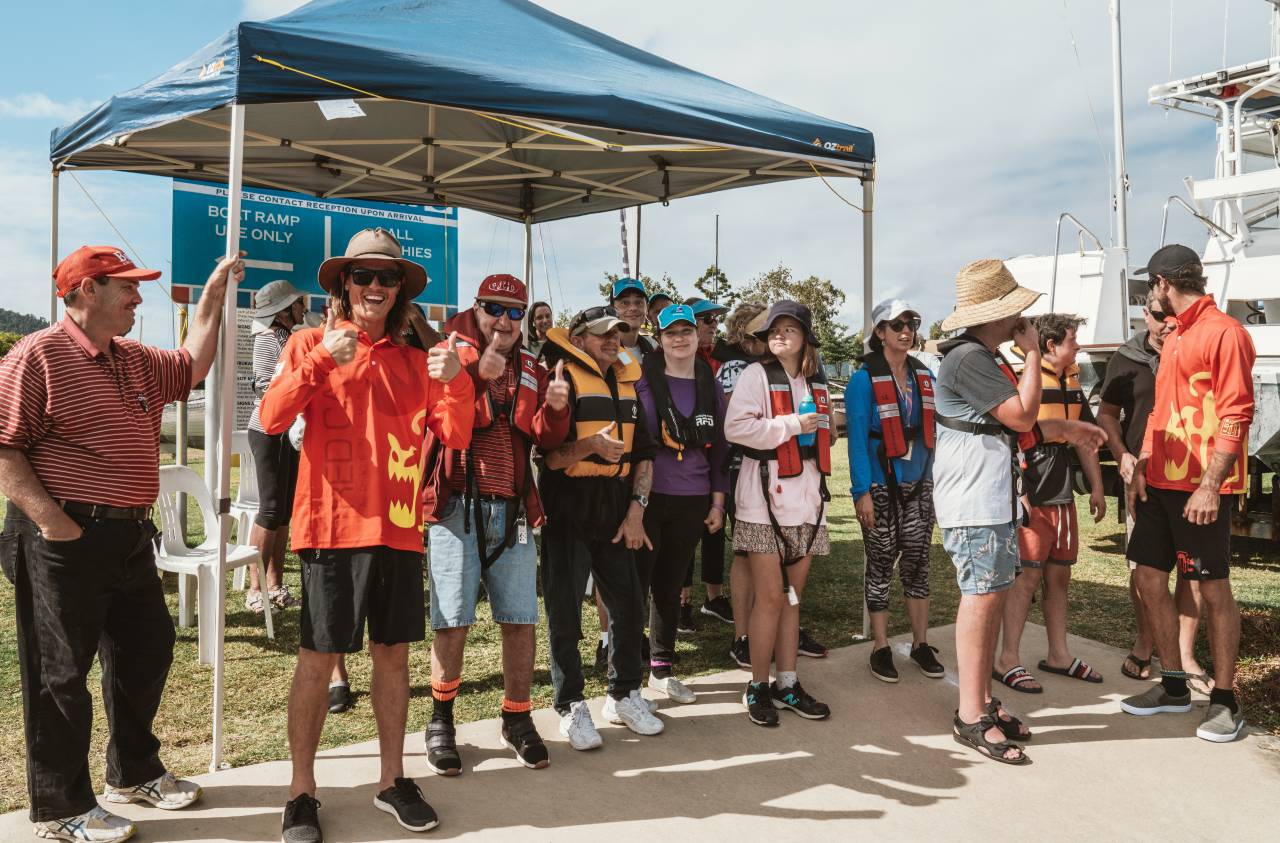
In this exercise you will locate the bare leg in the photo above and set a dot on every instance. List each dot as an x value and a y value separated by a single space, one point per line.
740 593
1017 605
1142 643
265 541
446 652
390 693
786 648
601 612
1057 578
1224 630
339 671
766 609
275 564
518 645
308 705
714 590
1186 595
1162 617
977 626
880 628
918 612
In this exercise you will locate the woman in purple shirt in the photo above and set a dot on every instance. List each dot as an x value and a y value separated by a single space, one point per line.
684 406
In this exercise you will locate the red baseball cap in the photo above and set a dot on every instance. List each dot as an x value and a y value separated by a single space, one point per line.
97 262
506 289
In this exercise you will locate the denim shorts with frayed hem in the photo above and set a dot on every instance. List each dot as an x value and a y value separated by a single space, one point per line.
511 582
986 557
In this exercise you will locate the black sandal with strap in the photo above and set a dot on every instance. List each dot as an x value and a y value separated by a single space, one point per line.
974 736
1013 728
1143 664
442 748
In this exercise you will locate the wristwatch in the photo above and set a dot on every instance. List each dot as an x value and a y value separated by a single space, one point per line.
643 500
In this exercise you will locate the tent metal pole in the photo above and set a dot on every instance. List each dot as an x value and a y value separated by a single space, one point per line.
638 209
226 395
868 202
53 251
528 272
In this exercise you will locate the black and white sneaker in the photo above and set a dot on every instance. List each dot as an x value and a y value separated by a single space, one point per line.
340 699
404 801
809 647
442 748
521 736
719 608
882 665
301 823
685 623
740 652
922 655
798 700
758 698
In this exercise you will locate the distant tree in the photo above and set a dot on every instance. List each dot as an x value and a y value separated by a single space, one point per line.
822 297
7 339
714 285
935 331
20 323
564 317
665 285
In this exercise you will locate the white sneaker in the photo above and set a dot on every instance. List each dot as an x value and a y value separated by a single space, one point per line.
94 826
634 712
578 727
168 793
673 688
610 709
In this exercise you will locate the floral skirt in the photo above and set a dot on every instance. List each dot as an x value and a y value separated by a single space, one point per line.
760 538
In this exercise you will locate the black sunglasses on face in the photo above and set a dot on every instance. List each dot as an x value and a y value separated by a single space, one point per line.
496 309
363 277
1159 315
898 324
706 319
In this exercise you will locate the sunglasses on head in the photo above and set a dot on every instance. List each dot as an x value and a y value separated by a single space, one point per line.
496 309
363 277
898 325
591 314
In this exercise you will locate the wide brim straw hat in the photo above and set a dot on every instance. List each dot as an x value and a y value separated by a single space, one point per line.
986 291
372 244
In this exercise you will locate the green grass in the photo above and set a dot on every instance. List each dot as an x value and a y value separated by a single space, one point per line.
259 671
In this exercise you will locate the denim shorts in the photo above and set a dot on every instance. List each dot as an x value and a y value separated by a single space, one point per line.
986 557
454 569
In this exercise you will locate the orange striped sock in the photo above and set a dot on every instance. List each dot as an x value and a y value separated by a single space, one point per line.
510 706
445 690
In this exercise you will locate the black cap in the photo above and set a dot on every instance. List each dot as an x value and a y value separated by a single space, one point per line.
796 311
1173 261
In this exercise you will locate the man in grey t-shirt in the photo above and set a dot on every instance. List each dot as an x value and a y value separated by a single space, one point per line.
981 408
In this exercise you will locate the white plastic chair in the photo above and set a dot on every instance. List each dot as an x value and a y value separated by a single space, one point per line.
199 562
244 508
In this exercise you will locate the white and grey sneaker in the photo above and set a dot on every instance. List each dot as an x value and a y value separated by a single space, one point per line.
673 688
1221 724
93 826
634 712
578 727
168 793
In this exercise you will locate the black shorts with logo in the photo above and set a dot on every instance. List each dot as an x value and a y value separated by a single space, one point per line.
342 588
1162 538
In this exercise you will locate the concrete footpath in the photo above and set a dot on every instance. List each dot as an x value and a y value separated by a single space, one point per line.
885 764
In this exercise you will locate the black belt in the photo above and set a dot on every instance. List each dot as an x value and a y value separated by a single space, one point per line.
98 510
976 428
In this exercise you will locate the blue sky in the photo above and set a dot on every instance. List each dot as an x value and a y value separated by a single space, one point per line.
981 114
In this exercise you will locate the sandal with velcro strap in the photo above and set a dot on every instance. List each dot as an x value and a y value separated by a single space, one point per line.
442 748
1013 728
974 736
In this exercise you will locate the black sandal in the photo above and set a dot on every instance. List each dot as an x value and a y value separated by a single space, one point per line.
974 736
1013 728
442 748
1143 664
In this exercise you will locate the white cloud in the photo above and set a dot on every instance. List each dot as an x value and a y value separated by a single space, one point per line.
267 9
39 106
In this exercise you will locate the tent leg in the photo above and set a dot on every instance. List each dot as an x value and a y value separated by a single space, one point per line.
528 275
868 201
53 251
225 395
638 275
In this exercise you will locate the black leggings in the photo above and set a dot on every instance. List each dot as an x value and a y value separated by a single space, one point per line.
909 534
673 524
276 463
713 544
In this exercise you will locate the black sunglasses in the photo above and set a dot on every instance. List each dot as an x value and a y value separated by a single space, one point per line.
591 314
708 319
898 324
363 277
496 309
1159 315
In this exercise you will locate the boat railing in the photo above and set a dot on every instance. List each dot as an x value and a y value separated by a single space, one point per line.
1210 224
1081 232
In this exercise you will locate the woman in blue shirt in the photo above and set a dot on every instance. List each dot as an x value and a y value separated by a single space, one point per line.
895 508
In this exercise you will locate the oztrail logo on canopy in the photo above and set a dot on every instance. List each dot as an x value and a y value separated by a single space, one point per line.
832 146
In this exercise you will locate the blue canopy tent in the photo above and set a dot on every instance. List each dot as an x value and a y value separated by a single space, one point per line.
494 105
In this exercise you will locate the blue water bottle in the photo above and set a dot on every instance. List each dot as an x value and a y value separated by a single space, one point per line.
807 406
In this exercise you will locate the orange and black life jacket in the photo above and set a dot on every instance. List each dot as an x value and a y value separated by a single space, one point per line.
678 431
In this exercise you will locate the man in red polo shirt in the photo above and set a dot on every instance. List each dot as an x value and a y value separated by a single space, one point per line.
80 415
1194 452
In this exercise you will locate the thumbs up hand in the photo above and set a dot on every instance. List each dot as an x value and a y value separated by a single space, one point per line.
442 363
558 389
340 342
606 447
493 362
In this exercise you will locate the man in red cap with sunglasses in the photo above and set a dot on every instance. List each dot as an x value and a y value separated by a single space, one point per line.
80 415
482 504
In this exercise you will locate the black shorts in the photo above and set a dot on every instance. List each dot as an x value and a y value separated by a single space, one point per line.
341 588
1163 538
276 463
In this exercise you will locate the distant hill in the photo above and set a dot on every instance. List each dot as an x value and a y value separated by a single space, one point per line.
20 323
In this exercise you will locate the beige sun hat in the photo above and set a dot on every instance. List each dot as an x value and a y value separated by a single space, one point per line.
986 291
372 244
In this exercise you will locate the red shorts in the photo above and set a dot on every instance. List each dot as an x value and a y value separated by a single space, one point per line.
1052 535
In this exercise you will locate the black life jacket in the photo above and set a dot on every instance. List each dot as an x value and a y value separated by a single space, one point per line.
678 431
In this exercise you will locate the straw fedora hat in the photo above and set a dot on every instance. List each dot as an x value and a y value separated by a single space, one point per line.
986 291
372 244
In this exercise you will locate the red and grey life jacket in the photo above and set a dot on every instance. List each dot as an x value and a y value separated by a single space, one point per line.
895 435
790 455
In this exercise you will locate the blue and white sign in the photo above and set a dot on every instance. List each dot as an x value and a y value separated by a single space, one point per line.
288 235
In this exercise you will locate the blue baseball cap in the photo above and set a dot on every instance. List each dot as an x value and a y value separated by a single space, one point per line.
701 306
623 284
674 313
660 294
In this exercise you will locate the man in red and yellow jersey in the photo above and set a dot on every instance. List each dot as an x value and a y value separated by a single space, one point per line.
1194 451
368 400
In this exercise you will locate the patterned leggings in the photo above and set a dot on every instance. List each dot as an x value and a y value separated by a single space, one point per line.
910 534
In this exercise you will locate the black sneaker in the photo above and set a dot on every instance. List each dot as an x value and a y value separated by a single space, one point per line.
882 665
602 656
759 702
521 736
798 700
442 748
404 802
339 699
922 654
719 608
301 823
809 647
685 623
740 652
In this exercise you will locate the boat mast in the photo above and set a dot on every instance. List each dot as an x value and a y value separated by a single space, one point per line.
1275 27
1120 204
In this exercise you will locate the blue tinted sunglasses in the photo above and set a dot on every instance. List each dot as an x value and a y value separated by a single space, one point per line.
496 309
